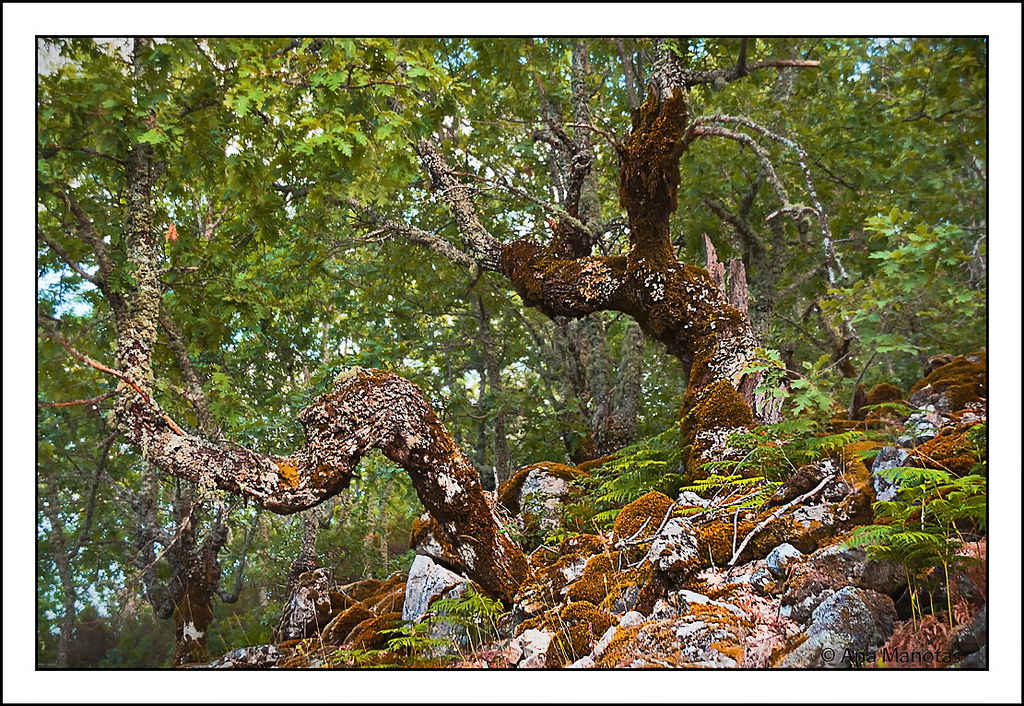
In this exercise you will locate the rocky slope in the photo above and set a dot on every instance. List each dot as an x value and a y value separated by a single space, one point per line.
690 581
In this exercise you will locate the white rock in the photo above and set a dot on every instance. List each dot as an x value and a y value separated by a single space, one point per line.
688 497
633 617
605 640
585 662
426 580
541 494
533 646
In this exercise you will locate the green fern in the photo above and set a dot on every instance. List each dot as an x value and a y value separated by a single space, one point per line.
932 516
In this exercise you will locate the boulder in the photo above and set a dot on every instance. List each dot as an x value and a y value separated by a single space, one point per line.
844 630
781 557
427 582
674 549
829 569
256 657
309 608
535 494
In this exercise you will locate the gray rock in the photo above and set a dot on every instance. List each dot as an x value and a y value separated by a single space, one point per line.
978 660
845 629
309 607
674 548
781 557
827 570
541 495
888 457
921 426
973 636
761 579
427 581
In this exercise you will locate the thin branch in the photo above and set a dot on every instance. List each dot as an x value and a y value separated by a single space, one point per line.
694 78
745 139
63 255
831 257
410 232
94 400
55 334
776 515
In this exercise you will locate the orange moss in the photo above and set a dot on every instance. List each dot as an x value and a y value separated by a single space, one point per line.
716 540
634 589
289 472
581 544
950 451
884 392
650 509
618 650
366 635
721 406
390 596
598 577
338 630
588 466
960 381
581 625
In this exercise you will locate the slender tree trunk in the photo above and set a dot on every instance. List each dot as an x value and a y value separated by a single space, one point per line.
62 559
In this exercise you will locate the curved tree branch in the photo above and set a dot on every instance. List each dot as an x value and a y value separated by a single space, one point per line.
366 409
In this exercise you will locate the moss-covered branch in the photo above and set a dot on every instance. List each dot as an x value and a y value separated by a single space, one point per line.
366 409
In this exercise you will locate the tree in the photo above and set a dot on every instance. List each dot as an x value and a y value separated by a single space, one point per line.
299 160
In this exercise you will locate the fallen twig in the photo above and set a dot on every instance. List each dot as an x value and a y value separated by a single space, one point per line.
776 515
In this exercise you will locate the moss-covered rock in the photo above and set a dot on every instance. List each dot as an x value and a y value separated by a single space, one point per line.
581 624
952 450
535 494
953 386
637 523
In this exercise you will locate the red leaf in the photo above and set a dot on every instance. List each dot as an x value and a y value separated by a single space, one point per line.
172 234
